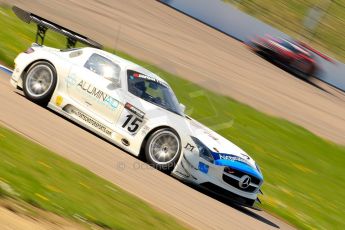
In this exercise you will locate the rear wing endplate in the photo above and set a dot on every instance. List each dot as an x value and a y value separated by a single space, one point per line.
43 25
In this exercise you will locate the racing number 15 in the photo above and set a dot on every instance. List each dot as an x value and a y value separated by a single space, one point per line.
134 125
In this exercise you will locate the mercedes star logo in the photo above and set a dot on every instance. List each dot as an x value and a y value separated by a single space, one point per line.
244 181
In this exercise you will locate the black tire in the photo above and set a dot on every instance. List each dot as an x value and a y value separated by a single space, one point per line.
172 150
298 68
312 71
39 82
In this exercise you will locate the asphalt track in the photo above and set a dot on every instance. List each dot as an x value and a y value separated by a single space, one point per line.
179 44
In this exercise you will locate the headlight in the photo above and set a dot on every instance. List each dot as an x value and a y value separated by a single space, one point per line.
204 152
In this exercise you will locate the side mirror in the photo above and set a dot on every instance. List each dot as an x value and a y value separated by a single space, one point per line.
182 107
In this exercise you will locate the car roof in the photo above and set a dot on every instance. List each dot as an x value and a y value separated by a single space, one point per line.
123 63
294 45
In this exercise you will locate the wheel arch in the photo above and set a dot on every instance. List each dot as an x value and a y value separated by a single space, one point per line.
143 144
28 67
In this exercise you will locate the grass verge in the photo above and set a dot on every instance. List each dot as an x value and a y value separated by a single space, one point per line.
303 173
45 180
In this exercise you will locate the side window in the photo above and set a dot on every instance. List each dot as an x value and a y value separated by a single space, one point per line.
103 67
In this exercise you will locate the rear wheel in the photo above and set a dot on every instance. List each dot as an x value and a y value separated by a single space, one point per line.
163 149
39 82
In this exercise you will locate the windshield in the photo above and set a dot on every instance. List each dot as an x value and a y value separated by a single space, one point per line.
293 47
152 90
287 45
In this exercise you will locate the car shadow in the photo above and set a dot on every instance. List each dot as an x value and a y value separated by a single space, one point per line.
232 204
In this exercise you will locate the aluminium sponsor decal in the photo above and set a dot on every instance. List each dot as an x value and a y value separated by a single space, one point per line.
98 94
91 91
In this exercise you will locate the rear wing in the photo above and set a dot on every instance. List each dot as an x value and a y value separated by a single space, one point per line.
43 25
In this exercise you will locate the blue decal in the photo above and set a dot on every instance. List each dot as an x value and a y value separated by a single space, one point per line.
235 162
203 167
238 165
111 102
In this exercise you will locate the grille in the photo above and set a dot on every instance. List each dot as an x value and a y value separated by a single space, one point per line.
240 174
234 183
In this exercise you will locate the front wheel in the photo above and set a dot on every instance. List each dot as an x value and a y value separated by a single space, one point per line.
39 82
305 68
163 149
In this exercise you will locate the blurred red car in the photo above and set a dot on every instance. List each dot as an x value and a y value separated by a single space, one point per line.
293 55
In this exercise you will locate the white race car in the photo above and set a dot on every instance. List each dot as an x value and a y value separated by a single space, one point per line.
134 109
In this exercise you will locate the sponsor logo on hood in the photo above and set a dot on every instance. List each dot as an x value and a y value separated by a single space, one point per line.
232 158
236 162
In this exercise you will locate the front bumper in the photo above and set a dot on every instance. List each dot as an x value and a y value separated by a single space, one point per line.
227 194
20 63
216 179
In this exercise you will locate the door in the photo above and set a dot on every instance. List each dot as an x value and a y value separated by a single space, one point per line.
96 88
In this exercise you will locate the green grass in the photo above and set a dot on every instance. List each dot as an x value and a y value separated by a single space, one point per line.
34 174
288 16
303 173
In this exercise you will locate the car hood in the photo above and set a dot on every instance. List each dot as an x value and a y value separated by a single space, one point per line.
224 152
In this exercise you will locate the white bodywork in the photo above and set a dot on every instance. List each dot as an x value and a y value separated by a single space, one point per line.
98 104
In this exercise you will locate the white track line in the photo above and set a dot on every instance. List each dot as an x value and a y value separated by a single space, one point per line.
6 70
